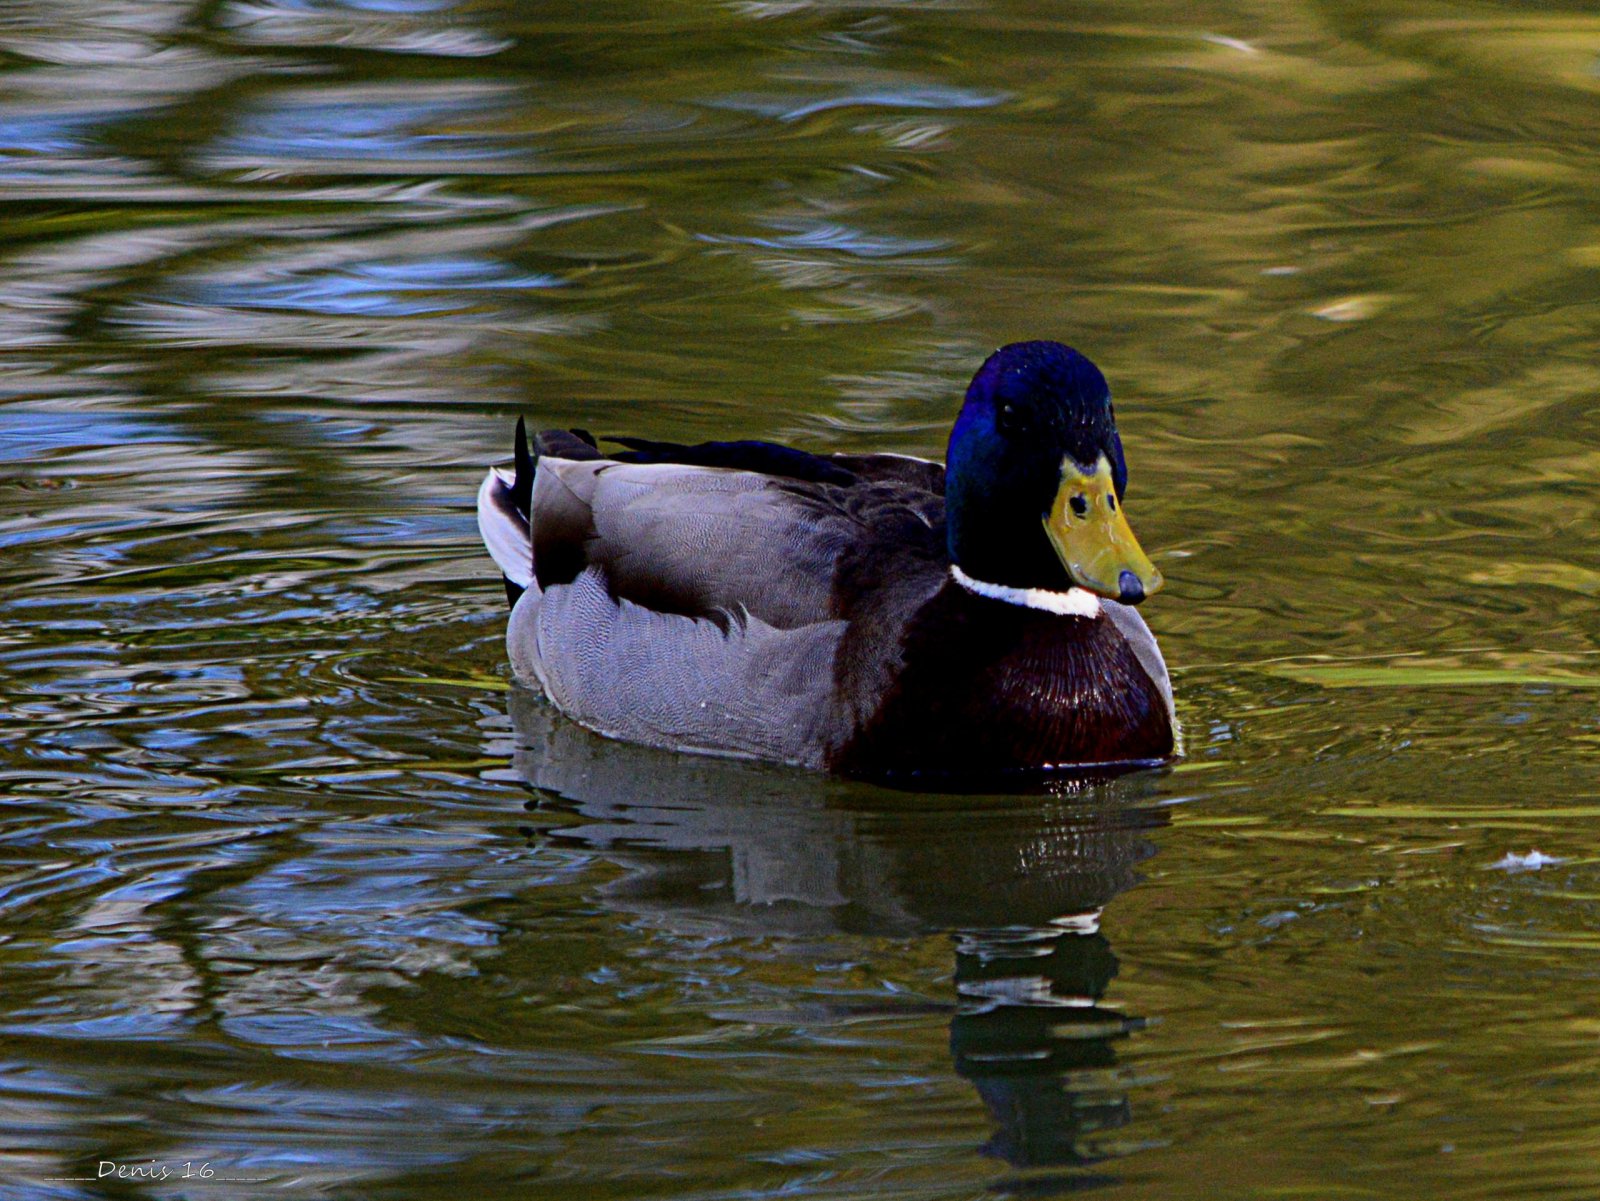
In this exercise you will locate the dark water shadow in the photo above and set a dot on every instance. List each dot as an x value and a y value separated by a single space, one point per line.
1018 883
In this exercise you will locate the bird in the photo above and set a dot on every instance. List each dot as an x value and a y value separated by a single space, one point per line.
876 616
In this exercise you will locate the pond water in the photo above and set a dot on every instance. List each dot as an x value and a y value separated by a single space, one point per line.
297 893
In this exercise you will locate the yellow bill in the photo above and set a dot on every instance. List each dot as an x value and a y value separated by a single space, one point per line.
1090 533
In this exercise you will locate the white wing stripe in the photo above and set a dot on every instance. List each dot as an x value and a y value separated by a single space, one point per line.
504 531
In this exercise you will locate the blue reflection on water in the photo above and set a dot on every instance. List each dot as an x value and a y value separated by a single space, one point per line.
361 125
397 288
832 236
27 434
44 132
797 108
380 6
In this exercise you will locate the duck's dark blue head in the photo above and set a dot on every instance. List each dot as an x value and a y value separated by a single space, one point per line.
1035 476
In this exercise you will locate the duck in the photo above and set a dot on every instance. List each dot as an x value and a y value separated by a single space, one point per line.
876 616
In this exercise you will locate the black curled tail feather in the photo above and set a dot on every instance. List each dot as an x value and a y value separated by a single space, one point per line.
505 501
526 464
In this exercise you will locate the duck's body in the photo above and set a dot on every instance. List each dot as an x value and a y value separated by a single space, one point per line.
750 599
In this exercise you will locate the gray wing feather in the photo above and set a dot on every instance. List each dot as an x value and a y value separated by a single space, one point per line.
747 688
712 538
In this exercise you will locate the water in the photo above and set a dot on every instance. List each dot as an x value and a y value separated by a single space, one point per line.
294 889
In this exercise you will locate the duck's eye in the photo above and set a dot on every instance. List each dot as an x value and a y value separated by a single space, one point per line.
1080 505
1007 417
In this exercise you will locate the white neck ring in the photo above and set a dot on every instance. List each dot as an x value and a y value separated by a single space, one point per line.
1074 602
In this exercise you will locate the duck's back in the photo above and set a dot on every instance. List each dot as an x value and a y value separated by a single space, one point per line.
691 604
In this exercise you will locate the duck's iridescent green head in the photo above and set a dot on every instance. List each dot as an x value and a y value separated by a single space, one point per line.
1034 479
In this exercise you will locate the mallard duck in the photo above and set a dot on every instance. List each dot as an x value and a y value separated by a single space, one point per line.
872 615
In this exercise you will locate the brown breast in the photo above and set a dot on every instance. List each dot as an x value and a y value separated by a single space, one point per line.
989 687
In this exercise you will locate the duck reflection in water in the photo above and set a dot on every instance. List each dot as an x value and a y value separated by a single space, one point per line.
1019 883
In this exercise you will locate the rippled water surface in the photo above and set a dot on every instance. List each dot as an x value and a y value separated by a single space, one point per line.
294 887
